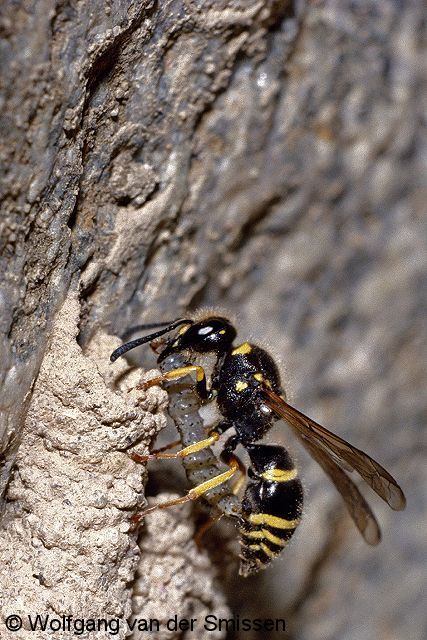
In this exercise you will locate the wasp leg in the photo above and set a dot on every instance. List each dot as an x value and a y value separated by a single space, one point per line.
137 457
227 454
235 489
181 372
241 480
195 493
205 527
192 448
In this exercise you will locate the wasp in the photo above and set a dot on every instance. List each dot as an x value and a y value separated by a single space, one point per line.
245 383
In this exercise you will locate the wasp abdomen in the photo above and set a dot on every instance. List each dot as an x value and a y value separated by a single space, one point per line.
271 507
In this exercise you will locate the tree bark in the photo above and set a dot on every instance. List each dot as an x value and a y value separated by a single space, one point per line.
261 155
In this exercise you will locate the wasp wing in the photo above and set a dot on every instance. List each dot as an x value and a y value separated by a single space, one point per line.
339 461
356 504
308 430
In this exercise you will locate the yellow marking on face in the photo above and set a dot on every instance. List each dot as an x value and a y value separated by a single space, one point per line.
222 332
279 475
183 329
241 385
244 348
259 534
272 521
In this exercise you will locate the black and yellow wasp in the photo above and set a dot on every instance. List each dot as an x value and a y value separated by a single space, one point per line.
245 384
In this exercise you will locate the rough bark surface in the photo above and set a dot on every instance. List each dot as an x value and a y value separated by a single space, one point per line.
260 155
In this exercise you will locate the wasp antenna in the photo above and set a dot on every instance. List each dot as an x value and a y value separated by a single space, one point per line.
124 348
146 327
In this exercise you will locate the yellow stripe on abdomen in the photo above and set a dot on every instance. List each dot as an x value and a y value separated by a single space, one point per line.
261 534
272 521
279 475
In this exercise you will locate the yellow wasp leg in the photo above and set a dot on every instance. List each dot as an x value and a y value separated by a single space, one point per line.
180 372
241 480
192 448
214 519
193 494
